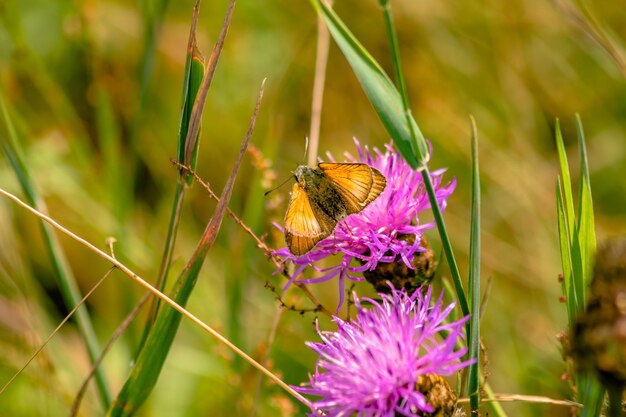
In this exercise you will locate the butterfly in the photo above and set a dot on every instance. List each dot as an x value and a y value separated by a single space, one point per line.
324 195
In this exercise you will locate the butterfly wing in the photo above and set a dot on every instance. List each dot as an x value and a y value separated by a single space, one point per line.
357 184
305 225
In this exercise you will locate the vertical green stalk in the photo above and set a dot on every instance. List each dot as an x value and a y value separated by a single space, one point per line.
447 245
397 69
474 277
62 271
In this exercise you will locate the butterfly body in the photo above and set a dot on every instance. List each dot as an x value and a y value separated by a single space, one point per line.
325 195
320 191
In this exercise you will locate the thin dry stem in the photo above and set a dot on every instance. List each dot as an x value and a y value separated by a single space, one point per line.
526 398
159 294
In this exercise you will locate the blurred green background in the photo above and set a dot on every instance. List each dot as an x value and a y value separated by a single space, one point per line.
99 120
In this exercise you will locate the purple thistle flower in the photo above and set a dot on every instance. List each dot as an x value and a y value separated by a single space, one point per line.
375 234
371 365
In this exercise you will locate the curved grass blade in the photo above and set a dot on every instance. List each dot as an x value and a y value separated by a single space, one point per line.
565 178
62 271
380 90
586 229
566 254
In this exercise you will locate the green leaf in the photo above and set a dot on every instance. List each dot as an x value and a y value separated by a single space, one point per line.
194 74
586 229
379 89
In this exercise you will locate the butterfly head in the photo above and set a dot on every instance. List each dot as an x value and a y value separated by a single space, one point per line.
307 177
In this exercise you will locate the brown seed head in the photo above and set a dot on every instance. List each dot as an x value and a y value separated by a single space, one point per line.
399 274
599 338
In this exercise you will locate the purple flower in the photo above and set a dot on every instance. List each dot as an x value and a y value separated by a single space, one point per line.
371 365
378 233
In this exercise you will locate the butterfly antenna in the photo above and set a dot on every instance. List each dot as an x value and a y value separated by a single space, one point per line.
277 187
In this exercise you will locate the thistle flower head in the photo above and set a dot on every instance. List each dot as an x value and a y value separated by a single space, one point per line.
375 364
378 234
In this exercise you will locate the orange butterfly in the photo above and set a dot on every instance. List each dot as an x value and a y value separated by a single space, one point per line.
323 196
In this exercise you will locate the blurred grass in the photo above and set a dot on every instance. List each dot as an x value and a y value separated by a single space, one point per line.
515 65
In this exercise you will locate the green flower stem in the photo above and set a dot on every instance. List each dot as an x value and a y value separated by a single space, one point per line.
445 241
397 69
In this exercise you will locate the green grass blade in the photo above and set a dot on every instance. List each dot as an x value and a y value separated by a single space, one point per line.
586 229
566 254
474 277
378 88
591 392
565 178
397 67
577 243
62 272
194 74
144 374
